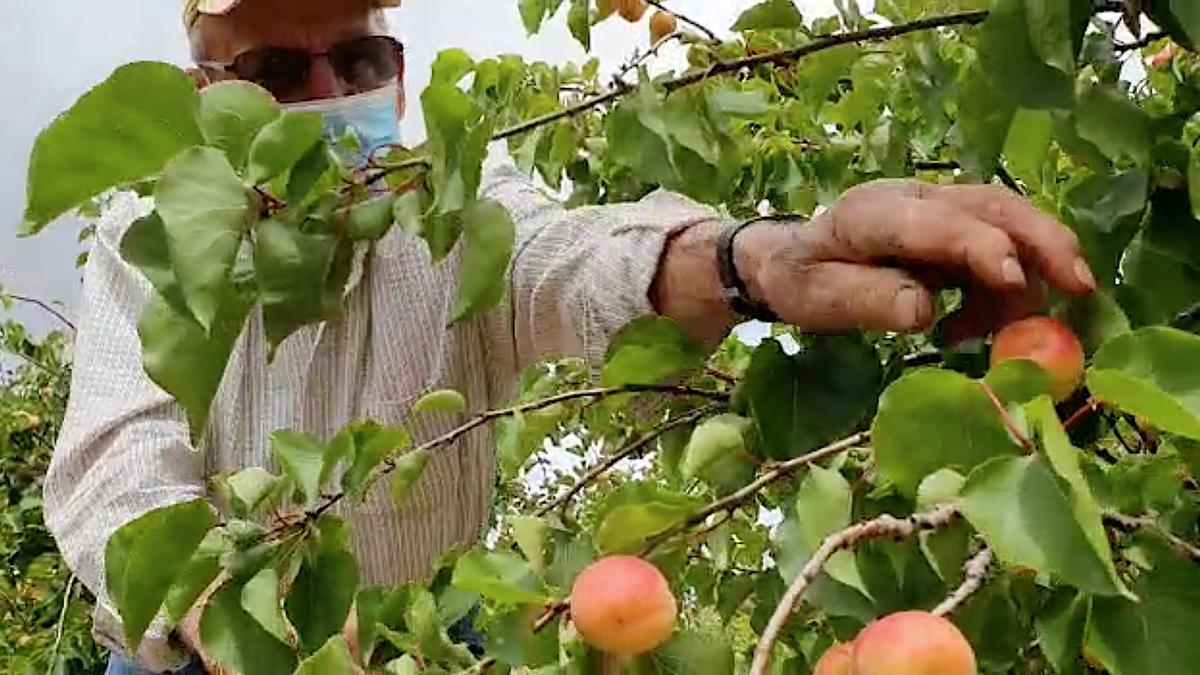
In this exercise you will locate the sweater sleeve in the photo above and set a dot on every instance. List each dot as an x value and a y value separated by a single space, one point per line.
579 275
124 447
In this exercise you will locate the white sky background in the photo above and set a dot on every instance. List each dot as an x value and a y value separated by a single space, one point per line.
52 51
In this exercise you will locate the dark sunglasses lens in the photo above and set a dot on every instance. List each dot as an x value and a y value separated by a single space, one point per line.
283 72
367 63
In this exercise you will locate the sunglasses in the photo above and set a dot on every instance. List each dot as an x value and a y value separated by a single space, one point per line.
360 64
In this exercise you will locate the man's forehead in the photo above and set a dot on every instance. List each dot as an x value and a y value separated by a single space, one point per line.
193 9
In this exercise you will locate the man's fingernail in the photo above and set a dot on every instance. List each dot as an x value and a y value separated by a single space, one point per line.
1011 269
1083 272
907 308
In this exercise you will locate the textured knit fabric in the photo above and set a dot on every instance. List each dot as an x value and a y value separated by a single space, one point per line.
577 276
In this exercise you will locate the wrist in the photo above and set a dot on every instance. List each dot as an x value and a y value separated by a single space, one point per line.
748 260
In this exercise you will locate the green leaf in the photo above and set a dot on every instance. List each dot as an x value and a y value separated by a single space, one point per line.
1160 270
690 652
458 138
1017 381
200 572
499 576
304 459
1063 458
445 401
1060 629
1016 504
371 220
1155 635
235 640
145 557
1104 213
770 14
984 120
123 130
1107 118
650 350
260 599
409 469
579 21
530 534
824 504
332 659
637 511
1010 62
301 277
1028 142
533 12
939 487
323 592
405 665
934 419
490 237
206 212
281 144
145 247
372 444
231 114
802 402
512 640
253 489
1096 318
1051 31
712 440
1153 372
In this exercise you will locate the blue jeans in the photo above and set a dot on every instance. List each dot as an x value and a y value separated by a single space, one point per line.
119 664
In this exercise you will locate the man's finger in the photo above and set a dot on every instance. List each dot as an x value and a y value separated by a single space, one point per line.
1042 239
834 297
886 226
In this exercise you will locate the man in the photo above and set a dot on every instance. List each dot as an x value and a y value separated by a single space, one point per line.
576 278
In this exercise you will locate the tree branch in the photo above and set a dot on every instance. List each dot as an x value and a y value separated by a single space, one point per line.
1146 41
739 497
1130 523
481 419
628 451
779 58
884 526
45 306
975 572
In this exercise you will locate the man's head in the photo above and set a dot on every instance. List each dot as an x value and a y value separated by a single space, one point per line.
300 50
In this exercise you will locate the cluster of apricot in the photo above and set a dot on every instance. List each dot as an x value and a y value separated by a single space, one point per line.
662 24
622 605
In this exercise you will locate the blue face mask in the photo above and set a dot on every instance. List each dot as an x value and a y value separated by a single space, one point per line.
372 118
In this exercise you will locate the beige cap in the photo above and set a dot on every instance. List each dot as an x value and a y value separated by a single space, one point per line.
194 8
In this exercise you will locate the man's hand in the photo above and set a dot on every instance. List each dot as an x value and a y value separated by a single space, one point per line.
876 259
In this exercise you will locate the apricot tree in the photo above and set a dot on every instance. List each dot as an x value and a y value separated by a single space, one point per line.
796 491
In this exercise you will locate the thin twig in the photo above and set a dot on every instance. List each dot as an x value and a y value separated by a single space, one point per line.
779 58
1089 406
1146 41
883 527
712 36
735 499
639 57
44 306
389 464
628 451
60 626
1149 523
1009 424
975 572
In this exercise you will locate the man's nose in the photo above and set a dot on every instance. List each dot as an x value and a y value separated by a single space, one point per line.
323 81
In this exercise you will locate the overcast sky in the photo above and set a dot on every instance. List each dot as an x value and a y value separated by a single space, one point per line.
52 51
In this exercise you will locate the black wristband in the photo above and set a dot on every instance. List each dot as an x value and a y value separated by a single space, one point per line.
733 288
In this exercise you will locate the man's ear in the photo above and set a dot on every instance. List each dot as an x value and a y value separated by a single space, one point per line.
199 77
